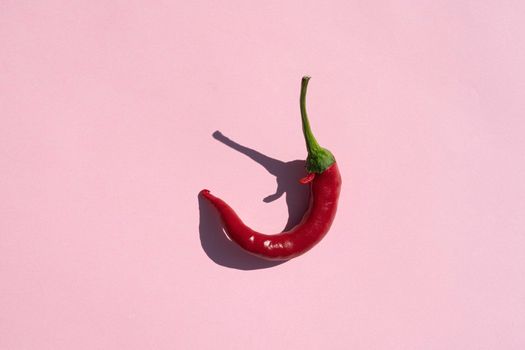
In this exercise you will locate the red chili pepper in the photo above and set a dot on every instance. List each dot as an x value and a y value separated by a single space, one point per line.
325 181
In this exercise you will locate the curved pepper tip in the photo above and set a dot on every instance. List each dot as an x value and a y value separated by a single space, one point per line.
204 192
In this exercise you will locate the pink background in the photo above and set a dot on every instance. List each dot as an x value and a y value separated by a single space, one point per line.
107 112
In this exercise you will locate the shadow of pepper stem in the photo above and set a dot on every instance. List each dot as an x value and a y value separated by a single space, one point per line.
273 166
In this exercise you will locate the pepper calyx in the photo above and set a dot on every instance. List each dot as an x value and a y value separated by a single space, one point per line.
319 161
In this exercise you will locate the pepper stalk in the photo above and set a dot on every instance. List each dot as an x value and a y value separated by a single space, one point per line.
319 159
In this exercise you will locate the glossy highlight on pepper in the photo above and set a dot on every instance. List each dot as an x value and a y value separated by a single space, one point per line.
324 180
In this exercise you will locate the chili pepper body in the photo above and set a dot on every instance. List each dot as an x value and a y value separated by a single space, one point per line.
325 189
324 180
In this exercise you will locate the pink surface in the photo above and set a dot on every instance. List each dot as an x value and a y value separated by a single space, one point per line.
107 112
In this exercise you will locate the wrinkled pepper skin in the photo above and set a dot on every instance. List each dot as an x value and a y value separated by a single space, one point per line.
325 189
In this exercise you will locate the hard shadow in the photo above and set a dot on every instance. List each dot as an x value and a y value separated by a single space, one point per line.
213 239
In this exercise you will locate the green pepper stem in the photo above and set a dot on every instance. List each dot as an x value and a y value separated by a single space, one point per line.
319 159
311 142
